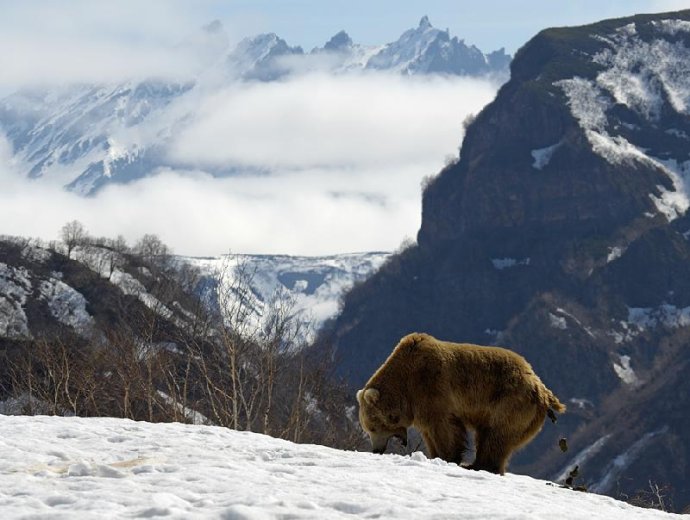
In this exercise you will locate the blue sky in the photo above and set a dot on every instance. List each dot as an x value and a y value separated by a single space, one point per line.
82 40
489 24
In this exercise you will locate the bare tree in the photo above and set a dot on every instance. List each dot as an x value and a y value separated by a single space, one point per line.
119 244
151 248
73 234
656 497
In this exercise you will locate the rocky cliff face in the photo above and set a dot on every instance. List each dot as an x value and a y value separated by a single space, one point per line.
561 233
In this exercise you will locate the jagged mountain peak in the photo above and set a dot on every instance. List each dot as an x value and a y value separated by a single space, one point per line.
262 44
339 42
214 27
259 57
426 49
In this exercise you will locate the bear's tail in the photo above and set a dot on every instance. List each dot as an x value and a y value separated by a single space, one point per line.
554 403
549 401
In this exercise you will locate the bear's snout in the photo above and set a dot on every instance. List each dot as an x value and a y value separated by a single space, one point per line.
378 442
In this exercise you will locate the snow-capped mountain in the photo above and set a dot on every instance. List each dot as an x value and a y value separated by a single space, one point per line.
260 57
427 50
85 137
341 54
310 286
421 50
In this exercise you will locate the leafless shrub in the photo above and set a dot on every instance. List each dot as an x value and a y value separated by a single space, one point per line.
655 497
152 249
243 366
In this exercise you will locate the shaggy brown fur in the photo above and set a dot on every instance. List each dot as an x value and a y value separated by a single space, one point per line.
445 389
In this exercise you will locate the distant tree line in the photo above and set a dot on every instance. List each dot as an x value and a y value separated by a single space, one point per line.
186 361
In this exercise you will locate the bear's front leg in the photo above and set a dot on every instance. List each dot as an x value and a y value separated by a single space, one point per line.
446 440
493 451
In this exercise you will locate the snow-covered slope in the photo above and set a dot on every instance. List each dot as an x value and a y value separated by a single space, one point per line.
112 468
636 109
84 137
311 286
22 287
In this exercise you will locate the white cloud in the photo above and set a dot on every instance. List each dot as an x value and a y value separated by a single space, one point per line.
346 156
95 40
310 212
321 120
306 212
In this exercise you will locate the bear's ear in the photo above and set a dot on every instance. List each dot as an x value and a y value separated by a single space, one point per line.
371 395
359 395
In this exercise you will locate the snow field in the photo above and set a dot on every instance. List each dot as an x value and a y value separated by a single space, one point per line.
56 467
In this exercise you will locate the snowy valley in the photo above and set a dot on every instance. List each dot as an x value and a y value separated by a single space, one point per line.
312 285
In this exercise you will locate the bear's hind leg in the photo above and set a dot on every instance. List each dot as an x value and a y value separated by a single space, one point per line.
532 429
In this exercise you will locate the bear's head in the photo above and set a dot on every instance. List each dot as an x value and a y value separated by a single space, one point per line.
382 417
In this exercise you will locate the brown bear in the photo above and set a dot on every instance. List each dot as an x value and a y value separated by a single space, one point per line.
445 389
